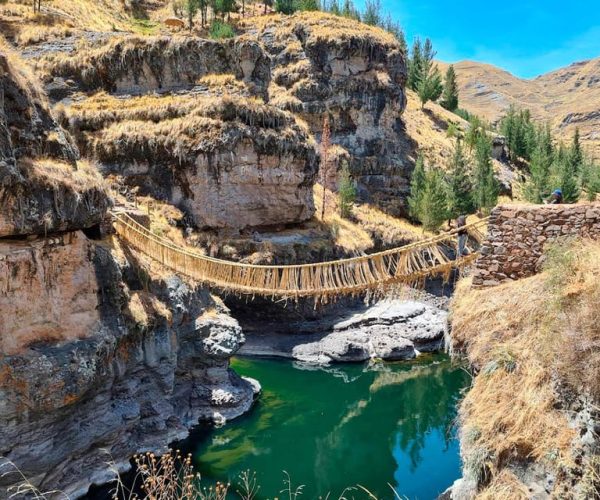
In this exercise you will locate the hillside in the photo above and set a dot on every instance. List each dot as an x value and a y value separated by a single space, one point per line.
568 97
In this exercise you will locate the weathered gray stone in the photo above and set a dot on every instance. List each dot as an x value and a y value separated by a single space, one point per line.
390 329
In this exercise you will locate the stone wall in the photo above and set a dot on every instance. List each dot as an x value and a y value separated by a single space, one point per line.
518 234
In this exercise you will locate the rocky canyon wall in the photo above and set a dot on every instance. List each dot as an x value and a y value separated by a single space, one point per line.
518 235
97 360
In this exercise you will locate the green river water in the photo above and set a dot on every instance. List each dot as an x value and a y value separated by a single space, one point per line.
330 428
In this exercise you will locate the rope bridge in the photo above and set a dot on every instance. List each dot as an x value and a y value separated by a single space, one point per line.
409 264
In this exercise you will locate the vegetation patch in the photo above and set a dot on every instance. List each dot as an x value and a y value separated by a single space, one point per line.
535 344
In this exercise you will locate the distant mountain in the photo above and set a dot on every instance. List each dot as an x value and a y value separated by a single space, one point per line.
568 97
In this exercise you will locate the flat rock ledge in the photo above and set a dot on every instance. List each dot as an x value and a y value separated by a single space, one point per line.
390 330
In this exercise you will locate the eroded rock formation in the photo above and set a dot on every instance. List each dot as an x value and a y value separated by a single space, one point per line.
329 65
97 360
146 365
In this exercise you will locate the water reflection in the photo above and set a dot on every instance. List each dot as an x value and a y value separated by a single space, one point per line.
336 427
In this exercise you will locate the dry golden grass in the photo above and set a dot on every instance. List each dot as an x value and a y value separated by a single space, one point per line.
522 337
72 15
321 27
55 173
390 230
505 486
348 236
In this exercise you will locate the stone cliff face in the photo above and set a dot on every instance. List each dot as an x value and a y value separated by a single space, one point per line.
356 74
138 65
250 159
42 187
94 355
147 365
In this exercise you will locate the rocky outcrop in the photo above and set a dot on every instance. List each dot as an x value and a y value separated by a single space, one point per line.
390 329
228 162
356 74
42 187
136 65
144 362
50 289
518 235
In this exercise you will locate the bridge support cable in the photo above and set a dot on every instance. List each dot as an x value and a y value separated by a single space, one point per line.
410 264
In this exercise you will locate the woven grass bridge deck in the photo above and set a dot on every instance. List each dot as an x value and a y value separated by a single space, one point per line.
410 264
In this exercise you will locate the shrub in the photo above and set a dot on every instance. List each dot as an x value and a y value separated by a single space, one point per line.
219 29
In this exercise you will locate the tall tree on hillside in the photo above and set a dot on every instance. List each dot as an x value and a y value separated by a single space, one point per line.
460 188
590 179
395 29
191 9
430 87
433 206
415 65
576 151
450 93
346 191
537 187
350 11
485 185
567 178
372 13
327 168
417 187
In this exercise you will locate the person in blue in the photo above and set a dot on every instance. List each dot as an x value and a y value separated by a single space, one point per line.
556 198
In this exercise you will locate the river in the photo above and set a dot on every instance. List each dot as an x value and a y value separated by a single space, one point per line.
382 425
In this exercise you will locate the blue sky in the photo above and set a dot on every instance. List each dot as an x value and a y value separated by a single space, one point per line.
525 37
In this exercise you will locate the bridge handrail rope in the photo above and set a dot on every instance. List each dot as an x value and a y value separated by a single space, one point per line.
407 264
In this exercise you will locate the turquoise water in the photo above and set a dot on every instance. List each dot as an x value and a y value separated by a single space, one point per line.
338 427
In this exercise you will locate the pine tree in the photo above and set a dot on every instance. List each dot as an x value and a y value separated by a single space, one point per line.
590 179
460 189
433 205
430 87
191 8
346 191
568 178
536 188
576 151
395 29
415 65
372 14
485 185
417 187
450 93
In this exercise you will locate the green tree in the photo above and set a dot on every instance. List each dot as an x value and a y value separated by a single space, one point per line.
372 14
417 187
430 87
460 189
346 191
308 5
536 187
433 206
450 93
191 9
566 176
415 65
395 29
485 185
285 6
222 7
576 152
590 179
